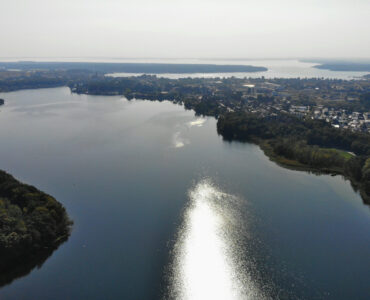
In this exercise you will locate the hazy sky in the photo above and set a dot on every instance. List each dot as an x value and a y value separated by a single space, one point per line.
185 28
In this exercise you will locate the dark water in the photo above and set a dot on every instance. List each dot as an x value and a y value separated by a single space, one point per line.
164 208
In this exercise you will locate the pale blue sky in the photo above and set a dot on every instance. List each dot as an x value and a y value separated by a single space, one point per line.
191 28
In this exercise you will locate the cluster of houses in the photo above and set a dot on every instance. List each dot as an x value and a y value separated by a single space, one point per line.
355 121
339 118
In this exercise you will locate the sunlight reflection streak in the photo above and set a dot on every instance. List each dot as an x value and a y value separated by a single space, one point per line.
204 266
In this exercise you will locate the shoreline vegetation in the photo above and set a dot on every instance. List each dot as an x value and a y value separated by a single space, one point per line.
357 185
350 67
32 75
158 68
33 225
295 165
293 141
306 145
359 65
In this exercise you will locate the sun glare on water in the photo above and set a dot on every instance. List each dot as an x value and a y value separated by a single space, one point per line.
204 266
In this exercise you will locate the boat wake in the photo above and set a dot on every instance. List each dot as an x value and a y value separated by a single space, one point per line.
198 122
178 141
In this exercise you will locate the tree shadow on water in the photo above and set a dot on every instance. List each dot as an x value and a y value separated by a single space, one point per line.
20 266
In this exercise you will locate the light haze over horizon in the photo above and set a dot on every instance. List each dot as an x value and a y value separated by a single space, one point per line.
177 28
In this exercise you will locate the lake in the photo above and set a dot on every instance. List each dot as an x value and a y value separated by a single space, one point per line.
277 68
163 208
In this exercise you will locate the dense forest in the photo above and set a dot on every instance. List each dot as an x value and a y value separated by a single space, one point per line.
304 143
19 80
32 223
30 83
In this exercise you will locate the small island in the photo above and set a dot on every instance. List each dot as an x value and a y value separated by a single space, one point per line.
33 225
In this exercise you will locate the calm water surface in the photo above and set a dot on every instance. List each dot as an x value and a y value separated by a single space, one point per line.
277 68
164 209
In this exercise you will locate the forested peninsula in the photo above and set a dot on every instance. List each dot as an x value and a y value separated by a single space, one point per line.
341 65
32 225
304 144
345 67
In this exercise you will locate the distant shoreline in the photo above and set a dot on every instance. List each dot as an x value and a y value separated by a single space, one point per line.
350 67
340 65
149 68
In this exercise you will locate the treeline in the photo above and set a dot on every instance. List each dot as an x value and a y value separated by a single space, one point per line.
35 82
311 143
131 67
345 66
194 93
30 222
205 106
309 155
19 80
354 167
244 126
